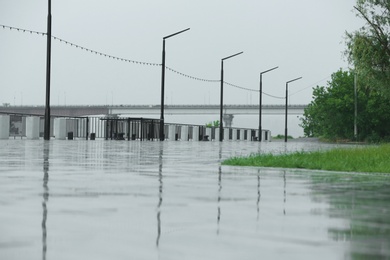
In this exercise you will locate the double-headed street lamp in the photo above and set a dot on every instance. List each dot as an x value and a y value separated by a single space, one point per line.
163 83
261 101
285 121
221 106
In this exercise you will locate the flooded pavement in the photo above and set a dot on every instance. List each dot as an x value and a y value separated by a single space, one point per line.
173 200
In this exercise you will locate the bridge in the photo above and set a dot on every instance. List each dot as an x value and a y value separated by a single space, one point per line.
147 110
154 110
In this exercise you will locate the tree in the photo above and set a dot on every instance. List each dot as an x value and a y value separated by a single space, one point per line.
332 106
332 111
213 124
368 49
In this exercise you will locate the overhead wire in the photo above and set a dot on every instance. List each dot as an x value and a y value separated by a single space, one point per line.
311 85
149 63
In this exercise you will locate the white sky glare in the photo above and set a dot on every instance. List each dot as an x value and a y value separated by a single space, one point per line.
303 37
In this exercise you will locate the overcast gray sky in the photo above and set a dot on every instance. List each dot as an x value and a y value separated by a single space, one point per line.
303 37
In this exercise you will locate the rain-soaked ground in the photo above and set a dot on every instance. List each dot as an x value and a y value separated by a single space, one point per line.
173 200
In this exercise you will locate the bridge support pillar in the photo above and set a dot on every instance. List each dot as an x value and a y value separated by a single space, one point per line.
32 127
4 127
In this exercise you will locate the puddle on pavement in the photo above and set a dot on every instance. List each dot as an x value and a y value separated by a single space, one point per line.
173 200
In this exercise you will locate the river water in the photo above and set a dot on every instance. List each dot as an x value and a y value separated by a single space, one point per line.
173 200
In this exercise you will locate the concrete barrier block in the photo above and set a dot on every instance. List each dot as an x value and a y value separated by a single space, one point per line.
217 134
226 134
242 134
32 127
234 137
267 136
4 126
195 133
184 133
172 133
209 132
60 128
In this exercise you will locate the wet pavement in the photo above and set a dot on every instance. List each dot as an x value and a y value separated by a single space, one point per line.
173 200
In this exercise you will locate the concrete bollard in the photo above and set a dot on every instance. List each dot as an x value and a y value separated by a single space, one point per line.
60 128
184 133
172 133
32 127
4 126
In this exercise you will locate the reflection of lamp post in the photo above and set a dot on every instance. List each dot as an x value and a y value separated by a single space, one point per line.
47 108
285 121
261 102
163 83
221 106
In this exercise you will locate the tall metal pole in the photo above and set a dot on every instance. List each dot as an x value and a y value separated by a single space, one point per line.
260 107
48 63
261 102
355 129
162 137
285 119
221 105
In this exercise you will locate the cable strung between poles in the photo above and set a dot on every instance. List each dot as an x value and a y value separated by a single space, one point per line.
138 62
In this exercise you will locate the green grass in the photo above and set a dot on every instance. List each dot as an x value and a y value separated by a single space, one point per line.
358 159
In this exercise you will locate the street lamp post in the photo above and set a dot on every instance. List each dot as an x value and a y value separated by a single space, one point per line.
285 120
48 62
261 101
163 84
221 105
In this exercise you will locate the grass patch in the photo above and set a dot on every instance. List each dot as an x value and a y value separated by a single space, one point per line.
358 159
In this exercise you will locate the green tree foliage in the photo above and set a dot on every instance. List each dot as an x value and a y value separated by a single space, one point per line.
213 124
368 49
331 113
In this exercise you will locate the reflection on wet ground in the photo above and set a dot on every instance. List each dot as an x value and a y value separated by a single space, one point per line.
173 200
